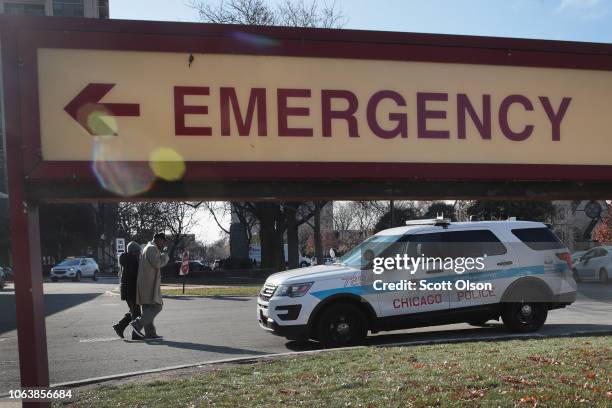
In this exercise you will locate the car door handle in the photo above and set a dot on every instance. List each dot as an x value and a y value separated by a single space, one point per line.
504 263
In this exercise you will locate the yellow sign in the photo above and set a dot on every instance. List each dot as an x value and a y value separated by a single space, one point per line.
128 106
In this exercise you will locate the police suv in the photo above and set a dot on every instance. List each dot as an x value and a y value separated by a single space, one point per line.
519 271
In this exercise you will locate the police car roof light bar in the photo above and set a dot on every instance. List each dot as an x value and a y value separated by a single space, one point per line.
438 222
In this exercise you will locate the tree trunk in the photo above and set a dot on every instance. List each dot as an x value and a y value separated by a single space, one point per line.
318 241
271 236
293 253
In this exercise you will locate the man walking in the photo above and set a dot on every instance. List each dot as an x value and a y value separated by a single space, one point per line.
129 274
148 288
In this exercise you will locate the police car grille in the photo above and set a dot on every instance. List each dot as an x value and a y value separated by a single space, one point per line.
267 291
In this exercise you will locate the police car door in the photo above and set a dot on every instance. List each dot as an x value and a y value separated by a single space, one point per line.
402 302
497 262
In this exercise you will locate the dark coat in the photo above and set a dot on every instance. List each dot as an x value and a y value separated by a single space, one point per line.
129 275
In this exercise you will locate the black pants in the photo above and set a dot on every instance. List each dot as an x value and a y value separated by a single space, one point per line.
134 308
134 313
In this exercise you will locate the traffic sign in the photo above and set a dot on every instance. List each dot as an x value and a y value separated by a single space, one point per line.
185 263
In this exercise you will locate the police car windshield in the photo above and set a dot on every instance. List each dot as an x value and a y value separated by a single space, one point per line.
377 243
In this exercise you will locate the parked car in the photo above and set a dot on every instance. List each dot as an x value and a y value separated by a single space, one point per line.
2 278
577 255
75 269
525 272
595 264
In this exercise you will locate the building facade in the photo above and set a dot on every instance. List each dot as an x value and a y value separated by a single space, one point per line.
63 8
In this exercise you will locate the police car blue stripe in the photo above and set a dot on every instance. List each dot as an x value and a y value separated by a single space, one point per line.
474 277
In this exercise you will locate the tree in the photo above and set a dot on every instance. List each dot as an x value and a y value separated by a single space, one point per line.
138 221
542 211
603 231
439 208
180 219
259 12
402 214
67 230
273 217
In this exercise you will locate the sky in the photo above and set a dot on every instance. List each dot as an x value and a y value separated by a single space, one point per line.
575 20
572 20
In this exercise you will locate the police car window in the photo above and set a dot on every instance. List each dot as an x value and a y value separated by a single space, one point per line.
538 239
425 244
377 243
472 243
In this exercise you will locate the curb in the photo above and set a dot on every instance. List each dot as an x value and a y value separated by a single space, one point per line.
252 359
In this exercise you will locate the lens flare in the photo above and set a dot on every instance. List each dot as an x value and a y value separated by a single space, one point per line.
167 164
101 123
258 40
123 178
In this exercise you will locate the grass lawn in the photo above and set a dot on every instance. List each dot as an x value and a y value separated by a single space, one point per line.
565 372
214 291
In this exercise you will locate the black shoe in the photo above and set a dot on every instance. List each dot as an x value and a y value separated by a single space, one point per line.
137 331
119 330
135 337
152 337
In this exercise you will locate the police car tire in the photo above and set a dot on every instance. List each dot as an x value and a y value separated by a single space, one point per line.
515 321
353 332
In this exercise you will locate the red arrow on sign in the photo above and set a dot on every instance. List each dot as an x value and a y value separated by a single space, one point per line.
86 109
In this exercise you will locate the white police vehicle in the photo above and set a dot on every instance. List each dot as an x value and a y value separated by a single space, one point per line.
524 272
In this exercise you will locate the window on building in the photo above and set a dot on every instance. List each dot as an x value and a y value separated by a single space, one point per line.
103 8
68 8
27 9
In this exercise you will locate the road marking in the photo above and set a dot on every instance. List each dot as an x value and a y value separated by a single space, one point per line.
99 339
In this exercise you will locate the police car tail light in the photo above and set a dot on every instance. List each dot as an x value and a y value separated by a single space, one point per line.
565 256
296 290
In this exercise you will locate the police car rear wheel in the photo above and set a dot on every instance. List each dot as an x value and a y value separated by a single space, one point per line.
524 317
341 325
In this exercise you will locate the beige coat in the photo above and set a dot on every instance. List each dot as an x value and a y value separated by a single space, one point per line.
149 277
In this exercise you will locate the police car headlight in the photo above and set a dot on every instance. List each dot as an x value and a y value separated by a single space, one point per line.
71 269
296 290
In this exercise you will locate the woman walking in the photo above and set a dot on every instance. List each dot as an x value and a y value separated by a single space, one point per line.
129 262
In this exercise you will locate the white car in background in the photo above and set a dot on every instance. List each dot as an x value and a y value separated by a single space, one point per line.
595 264
75 269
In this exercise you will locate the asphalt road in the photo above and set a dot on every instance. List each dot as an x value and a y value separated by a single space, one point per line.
82 344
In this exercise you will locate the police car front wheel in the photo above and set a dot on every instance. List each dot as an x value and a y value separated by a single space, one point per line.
524 317
341 325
